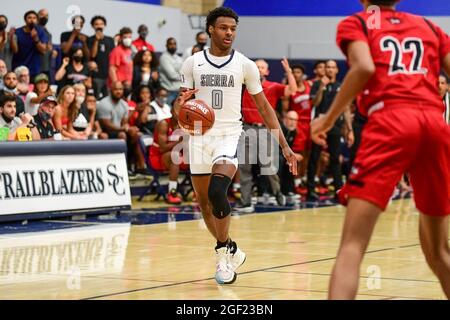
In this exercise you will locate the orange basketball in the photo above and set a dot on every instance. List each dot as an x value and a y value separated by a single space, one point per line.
196 117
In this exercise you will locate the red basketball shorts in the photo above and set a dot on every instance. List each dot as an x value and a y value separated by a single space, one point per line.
398 140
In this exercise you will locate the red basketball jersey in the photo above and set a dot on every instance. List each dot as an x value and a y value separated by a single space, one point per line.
301 103
407 50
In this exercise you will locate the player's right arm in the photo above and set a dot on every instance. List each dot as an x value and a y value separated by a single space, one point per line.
187 90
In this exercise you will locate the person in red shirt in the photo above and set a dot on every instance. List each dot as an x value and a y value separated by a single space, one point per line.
253 124
141 43
396 66
121 61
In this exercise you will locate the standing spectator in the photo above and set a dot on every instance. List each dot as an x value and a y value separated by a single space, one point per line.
113 118
46 57
45 130
121 61
40 92
100 47
319 71
201 39
8 118
6 38
170 66
445 94
145 72
65 112
140 44
255 130
3 71
24 84
10 89
322 94
73 70
31 41
74 39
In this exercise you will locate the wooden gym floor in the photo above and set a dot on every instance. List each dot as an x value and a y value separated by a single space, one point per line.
289 256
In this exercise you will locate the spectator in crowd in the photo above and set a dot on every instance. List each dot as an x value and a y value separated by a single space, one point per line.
8 118
65 113
140 44
444 89
121 62
161 153
3 71
10 89
29 44
24 84
322 94
201 39
6 38
46 57
44 129
82 122
74 39
161 104
145 71
100 47
113 118
91 103
196 49
255 131
170 66
40 92
73 70
319 71
144 115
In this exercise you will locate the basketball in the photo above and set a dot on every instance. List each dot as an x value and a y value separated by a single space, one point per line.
196 117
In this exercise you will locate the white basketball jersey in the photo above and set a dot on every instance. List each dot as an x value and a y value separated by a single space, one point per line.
220 82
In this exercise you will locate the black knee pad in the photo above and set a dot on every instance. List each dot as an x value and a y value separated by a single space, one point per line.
217 194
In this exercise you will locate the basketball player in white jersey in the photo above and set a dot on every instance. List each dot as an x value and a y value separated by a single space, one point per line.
216 76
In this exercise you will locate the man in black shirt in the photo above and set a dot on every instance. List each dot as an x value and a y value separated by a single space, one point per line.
100 46
74 39
43 119
323 93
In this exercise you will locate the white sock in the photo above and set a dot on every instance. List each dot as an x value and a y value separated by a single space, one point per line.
173 185
236 185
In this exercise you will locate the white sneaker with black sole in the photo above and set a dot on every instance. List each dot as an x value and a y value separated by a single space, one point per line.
237 259
224 269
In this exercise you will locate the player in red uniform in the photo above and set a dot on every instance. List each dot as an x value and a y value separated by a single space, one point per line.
396 66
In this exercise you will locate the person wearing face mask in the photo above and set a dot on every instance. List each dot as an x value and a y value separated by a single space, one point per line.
8 118
74 39
6 38
73 70
140 44
47 56
44 129
160 104
170 67
121 62
30 43
201 39
10 89
100 47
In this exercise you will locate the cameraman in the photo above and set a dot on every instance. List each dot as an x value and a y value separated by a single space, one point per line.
100 46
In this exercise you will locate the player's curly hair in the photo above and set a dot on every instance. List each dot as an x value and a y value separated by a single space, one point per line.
214 14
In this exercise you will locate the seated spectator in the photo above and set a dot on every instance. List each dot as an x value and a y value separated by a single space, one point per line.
113 118
65 113
82 122
40 92
91 103
166 137
160 104
44 129
23 81
8 118
140 44
6 37
145 71
197 48
3 71
29 44
144 116
10 89
74 39
73 70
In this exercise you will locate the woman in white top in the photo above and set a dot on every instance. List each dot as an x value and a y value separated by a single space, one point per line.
163 110
41 90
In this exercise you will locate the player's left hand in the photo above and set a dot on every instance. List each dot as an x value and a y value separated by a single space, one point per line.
291 158
186 95
319 128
